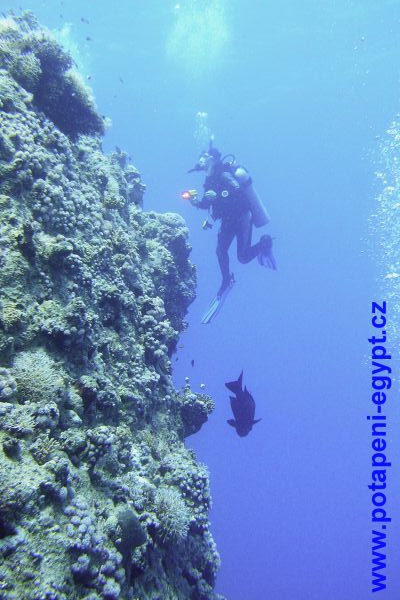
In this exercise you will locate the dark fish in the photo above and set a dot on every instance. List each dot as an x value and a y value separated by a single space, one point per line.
84 20
243 407
121 80
192 362
88 38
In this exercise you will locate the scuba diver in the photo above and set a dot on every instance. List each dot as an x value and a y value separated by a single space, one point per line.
230 197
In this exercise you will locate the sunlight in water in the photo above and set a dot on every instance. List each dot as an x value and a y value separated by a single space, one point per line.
202 132
66 37
199 36
385 222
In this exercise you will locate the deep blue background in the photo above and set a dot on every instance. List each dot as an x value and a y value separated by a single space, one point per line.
299 91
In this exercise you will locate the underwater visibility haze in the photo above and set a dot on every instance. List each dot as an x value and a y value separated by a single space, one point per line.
100 300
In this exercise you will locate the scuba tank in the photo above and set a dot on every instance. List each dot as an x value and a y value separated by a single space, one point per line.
259 213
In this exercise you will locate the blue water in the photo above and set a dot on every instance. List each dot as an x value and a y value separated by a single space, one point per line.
302 93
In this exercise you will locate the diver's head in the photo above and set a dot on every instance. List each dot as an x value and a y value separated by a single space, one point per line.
204 161
207 159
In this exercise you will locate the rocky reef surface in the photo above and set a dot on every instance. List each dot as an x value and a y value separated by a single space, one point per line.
99 497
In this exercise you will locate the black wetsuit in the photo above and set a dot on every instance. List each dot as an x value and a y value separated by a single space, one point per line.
233 208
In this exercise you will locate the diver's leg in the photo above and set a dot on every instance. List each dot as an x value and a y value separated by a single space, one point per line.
225 239
245 251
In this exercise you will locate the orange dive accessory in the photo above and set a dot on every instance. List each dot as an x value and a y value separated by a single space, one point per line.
189 194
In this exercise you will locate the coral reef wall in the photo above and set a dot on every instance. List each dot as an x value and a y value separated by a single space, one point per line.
99 498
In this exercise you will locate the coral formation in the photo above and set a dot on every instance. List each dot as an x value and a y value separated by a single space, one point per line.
40 65
100 497
195 409
173 514
36 377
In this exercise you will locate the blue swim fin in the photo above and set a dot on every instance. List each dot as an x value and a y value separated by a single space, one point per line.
266 257
213 310
217 304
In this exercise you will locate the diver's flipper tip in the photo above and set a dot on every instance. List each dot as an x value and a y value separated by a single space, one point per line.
212 311
266 256
267 260
216 305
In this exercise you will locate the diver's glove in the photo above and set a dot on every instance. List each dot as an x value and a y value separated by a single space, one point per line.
208 198
210 195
